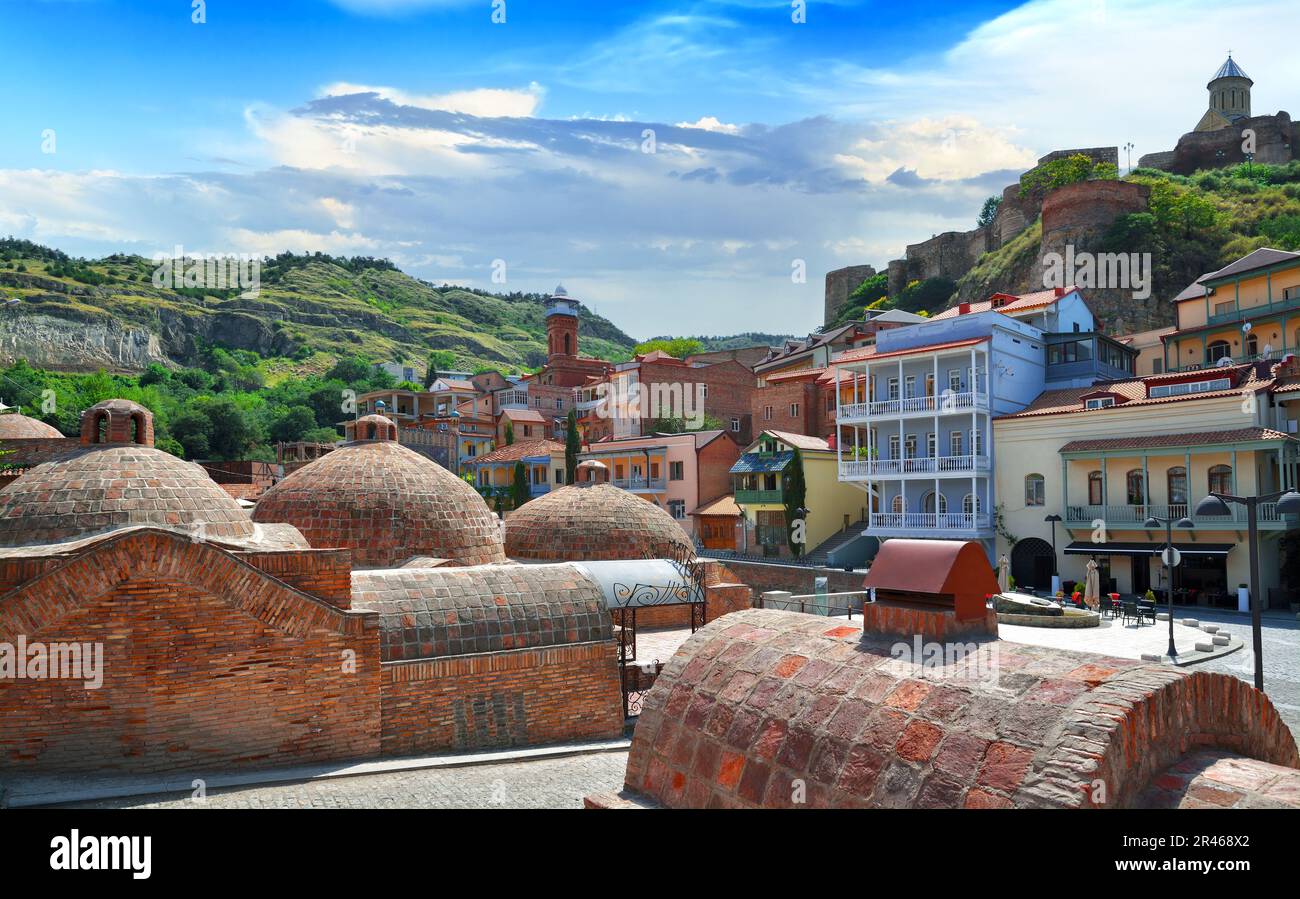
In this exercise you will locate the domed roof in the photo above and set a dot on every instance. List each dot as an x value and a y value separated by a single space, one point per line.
108 486
1230 69
19 427
599 521
386 504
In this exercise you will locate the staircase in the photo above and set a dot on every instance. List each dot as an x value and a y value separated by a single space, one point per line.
820 553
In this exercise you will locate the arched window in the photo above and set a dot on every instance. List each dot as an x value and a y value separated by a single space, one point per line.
898 505
928 503
370 430
137 428
1216 350
1221 479
1035 490
970 504
1137 494
1176 479
1095 489
101 427
567 350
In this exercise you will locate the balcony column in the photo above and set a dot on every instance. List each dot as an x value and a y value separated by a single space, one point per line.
1065 489
1105 485
1146 483
1187 481
1233 476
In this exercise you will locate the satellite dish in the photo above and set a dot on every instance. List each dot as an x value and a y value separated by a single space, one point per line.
1268 351
1226 361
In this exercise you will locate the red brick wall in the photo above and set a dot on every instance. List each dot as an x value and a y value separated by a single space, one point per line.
714 463
324 573
35 450
528 697
206 663
779 397
796 579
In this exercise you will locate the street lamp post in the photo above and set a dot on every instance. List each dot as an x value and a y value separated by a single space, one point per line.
1170 559
1216 505
1056 568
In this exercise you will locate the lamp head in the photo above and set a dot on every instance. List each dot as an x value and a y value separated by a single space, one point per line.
1212 506
1289 504
1185 523
1151 523
1053 517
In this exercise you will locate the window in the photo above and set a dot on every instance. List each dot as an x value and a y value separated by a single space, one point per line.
794 410
1100 402
1136 483
909 446
898 504
909 385
767 413
1190 387
955 444
929 445
735 425
1224 308
1035 489
893 446
704 391
677 508
654 470
928 503
676 471
1176 479
970 504
976 441
954 380
1217 350
559 403
1221 479
1157 366
618 470
559 476
830 403
893 388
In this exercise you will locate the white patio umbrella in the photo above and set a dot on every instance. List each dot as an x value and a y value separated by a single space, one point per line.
1004 574
1092 586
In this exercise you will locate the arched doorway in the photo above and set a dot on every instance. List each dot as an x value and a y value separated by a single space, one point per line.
1032 563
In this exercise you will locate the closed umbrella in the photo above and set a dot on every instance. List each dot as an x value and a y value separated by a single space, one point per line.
1092 586
1004 574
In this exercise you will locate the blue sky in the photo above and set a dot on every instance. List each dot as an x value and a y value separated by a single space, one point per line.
425 132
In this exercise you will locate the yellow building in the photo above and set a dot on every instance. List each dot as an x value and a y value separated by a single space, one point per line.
759 482
1108 457
543 462
1245 311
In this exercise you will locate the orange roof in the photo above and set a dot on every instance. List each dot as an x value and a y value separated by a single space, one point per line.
929 348
517 451
524 415
802 441
853 355
799 375
723 505
1194 438
1253 378
1012 303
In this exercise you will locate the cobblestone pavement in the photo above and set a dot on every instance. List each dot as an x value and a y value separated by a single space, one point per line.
540 783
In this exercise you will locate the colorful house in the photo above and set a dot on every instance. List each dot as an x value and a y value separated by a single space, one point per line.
543 462
1243 312
832 510
1108 457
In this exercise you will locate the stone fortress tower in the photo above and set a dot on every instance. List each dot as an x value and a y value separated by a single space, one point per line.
1229 97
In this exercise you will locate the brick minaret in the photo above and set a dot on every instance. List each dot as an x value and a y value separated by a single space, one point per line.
561 325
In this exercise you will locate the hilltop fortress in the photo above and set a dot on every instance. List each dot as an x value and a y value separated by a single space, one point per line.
1078 214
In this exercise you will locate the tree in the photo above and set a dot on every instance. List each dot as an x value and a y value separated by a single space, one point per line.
988 211
572 446
292 424
439 360
519 491
510 433
793 494
681 347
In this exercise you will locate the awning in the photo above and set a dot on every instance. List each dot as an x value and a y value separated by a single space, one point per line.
1122 548
760 462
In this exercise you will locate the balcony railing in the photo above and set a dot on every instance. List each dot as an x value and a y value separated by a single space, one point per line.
932 521
941 465
640 482
755 497
943 404
1287 302
1135 516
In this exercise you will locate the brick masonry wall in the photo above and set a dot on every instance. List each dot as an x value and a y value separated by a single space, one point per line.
714 463
35 450
779 397
207 663
324 573
778 709
762 576
526 697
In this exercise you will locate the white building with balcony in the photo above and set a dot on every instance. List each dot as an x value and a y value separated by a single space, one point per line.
914 421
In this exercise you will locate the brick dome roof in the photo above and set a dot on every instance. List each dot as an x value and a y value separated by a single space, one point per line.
19 427
386 504
599 521
108 486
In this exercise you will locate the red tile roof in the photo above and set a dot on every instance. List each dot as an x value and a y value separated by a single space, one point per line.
802 441
1192 438
1012 304
524 415
517 451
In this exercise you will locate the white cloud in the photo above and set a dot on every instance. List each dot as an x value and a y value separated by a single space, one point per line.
485 102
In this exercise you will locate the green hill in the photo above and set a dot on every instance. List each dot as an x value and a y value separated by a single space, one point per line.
82 315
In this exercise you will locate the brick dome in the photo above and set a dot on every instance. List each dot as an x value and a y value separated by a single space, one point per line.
599 521
386 504
100 488
19 427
